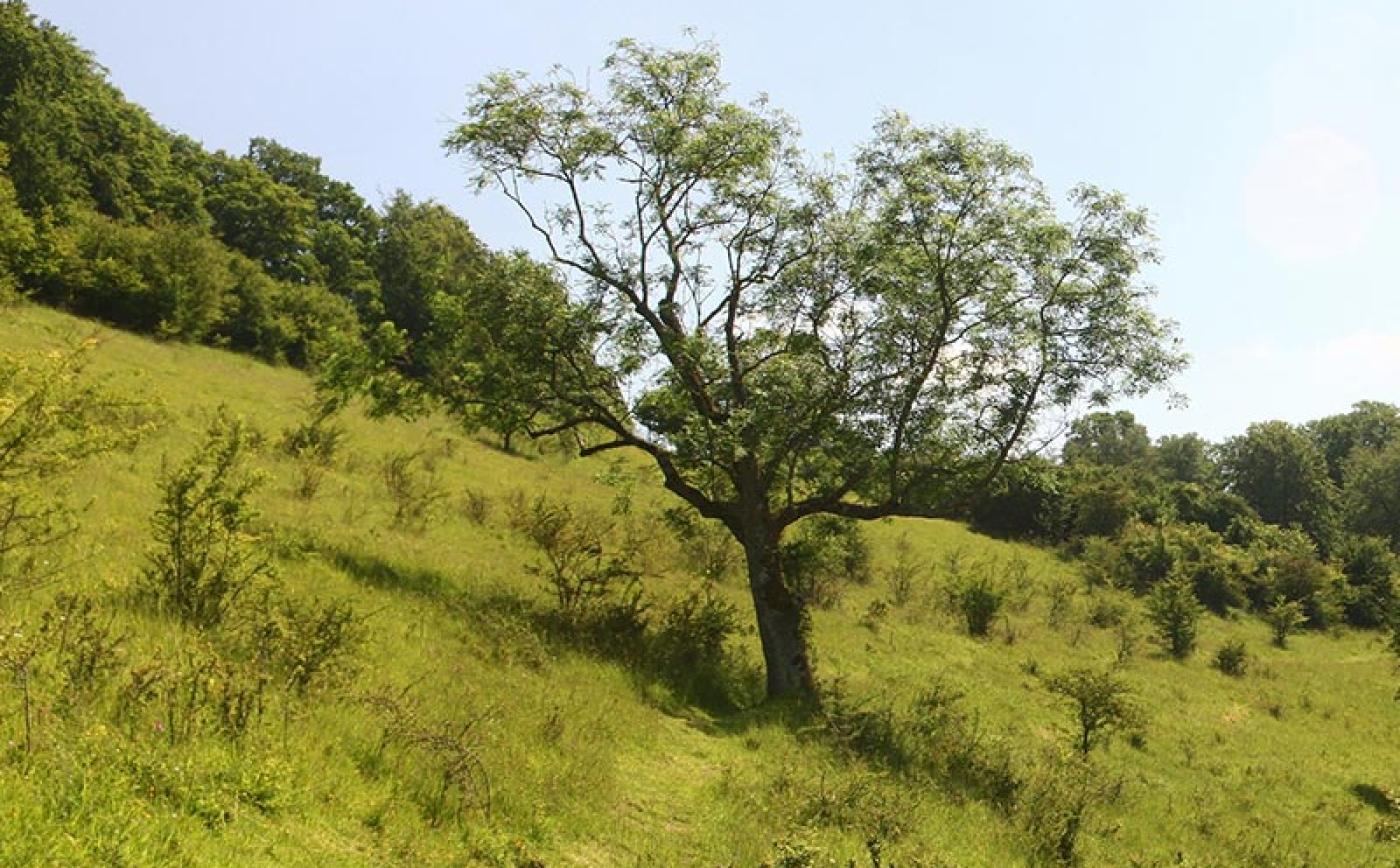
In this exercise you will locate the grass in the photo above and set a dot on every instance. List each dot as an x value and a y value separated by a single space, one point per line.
590 759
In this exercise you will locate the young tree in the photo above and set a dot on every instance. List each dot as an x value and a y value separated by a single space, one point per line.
784 342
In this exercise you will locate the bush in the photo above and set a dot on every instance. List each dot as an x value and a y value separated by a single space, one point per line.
317 438
978 598
1284 617
1232 658
305 643
413 489
1102 703
1060 796
1370 568
52 416
1176 614
903 574
826 553
689 646
577 568
206 554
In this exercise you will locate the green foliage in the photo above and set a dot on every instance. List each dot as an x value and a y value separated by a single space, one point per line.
1232 658
824 556
690 645
1060 797
1108 440
579 571
305 643
1101 702
206 554
1176 615
1282 473
53 416
413 487
1185 459
1370 569
1284 617
1371 498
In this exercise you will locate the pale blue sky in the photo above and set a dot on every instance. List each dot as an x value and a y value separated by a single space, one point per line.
1265 136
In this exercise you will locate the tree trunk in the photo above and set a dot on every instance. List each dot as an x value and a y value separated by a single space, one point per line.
782 620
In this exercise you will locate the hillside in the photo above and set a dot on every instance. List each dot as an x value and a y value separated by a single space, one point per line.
594 758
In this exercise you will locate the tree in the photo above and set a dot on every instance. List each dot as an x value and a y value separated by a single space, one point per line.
1111 439
1368 425
1185 458
783 342
1371 498
1281 472
1101 702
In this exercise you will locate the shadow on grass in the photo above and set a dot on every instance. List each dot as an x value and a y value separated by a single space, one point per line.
377 572
1377 798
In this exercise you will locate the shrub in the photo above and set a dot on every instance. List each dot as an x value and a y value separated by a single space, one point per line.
689 645
903 574
304 642
206 554
707 549
979 599
577 568
1232 658
1176 614
1101 702
1284 617
1369 567
412 488
1059 797
317 438
453 748
825 553
52 416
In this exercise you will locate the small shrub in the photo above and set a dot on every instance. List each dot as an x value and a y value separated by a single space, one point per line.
1061 602
202 691
707 548
825 554
476 506
304 642
206 554
1127 637
454 749
577 568
1232 658
1284 618
412 488
1102 704
1176 615
307 478
875 615
979 600
86 648
1059 799
316 439
1105 611
903 574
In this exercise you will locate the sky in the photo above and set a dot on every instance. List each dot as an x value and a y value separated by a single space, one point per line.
1263 136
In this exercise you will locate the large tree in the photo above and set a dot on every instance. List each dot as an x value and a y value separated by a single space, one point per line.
785 342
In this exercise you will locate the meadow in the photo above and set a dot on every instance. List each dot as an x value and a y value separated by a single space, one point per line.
466 722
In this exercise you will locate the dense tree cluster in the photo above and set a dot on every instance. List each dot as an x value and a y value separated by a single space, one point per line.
1281 513
108 214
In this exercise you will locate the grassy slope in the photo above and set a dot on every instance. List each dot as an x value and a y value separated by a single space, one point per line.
593 765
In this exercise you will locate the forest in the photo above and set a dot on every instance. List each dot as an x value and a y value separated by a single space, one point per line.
773 515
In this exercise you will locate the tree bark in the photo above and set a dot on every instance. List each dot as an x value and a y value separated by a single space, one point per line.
782 619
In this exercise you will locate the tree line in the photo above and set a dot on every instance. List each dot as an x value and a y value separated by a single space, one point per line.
108 214
1280 514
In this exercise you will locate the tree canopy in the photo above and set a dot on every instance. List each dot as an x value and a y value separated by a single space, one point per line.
785 341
